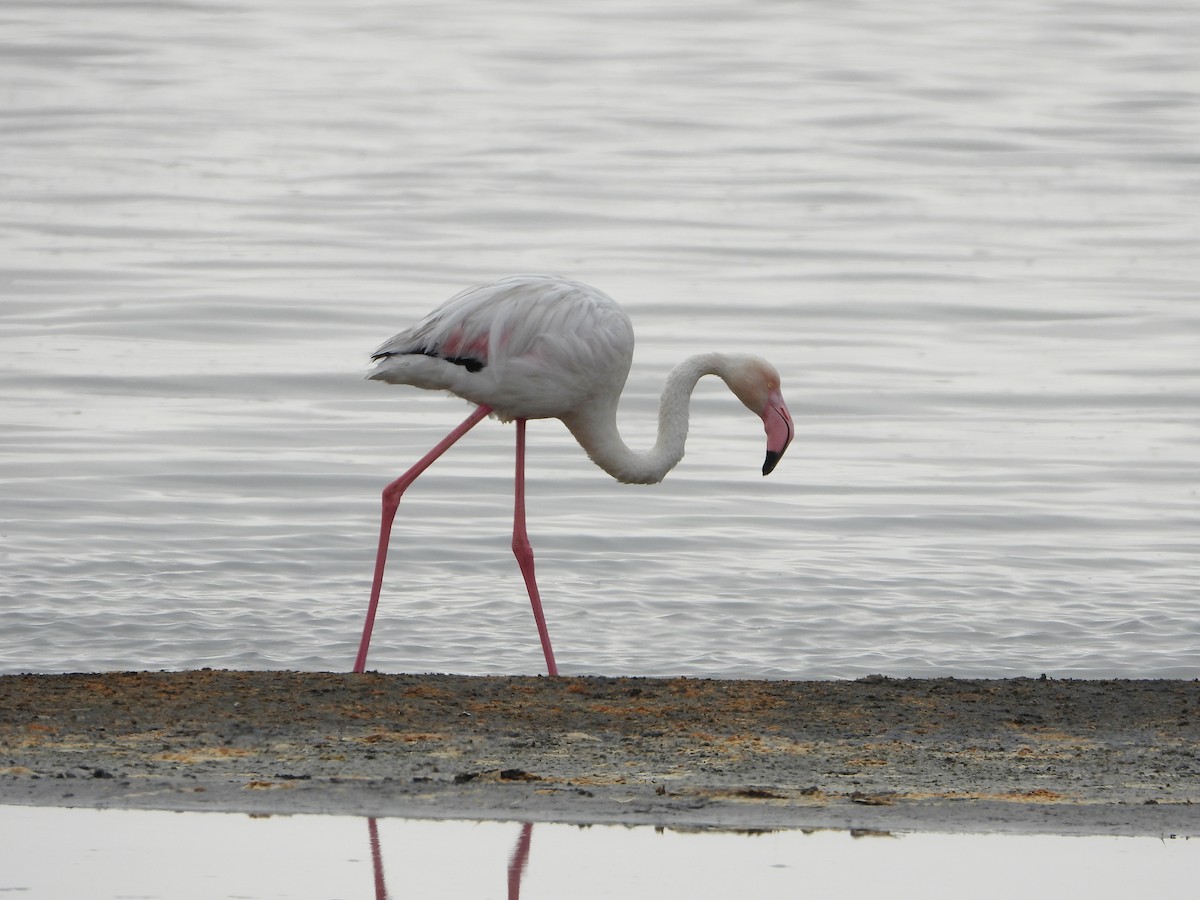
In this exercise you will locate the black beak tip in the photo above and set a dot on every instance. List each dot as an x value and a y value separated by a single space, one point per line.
771 462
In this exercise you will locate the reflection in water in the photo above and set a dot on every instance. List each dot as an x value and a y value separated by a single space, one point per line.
115 854
377 860
516 863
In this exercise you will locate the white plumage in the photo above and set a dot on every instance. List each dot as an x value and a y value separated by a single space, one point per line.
528 346
541 346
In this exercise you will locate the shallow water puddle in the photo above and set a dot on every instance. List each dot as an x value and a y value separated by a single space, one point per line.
54 853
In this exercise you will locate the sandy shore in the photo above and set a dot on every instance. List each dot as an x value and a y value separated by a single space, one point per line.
1086 757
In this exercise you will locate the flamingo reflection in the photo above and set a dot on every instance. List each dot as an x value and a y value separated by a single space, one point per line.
377 861
516 862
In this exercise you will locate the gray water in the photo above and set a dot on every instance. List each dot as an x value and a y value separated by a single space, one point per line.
966 236
123 854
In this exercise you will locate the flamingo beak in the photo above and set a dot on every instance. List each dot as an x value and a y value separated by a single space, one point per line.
778 423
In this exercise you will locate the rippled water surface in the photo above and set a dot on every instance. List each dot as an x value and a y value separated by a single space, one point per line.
966 236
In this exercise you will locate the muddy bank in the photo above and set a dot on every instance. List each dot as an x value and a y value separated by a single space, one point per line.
1097 757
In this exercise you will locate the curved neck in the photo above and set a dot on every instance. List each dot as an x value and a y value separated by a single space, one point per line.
596 427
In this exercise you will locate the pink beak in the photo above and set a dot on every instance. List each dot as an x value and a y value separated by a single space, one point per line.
778 422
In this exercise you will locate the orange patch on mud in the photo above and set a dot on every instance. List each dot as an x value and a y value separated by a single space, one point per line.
201 754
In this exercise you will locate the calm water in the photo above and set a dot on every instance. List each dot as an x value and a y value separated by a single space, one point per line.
967 237
114 854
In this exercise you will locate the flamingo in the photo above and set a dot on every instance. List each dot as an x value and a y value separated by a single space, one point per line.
541 346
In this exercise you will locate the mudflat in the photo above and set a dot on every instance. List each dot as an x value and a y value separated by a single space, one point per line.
880 754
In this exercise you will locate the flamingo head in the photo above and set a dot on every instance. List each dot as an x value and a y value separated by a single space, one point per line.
756 383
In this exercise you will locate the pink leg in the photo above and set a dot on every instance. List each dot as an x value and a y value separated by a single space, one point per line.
377 860
518 861
524 551
391 500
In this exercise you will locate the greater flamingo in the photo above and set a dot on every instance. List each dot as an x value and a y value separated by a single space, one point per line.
538 347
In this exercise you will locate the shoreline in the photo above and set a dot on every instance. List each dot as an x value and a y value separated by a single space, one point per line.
1115 757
